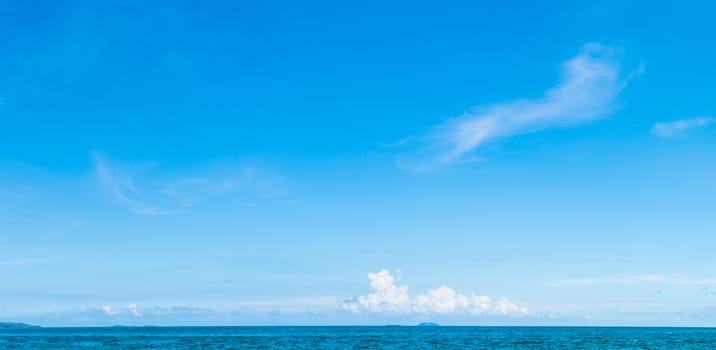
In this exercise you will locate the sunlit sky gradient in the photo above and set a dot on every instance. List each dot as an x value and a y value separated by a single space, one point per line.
357 162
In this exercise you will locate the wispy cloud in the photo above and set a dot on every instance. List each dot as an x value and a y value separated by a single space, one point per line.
709 290
387 297
157 193
675 279
677 127
21 262
588 90
15 262
70 226
121 186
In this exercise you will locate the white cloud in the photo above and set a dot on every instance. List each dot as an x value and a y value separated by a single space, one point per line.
505 307
676 127
387 297
109 310
588 90
480 305
134 310
130 310
442 300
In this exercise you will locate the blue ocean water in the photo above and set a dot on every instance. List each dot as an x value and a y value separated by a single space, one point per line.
359 338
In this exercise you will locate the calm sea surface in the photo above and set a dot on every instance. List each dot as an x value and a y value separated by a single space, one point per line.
359 338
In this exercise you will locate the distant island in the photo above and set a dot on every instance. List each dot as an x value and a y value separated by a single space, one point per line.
428 324
15 325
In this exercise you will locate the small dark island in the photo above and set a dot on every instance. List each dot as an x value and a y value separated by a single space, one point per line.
15 325
428 324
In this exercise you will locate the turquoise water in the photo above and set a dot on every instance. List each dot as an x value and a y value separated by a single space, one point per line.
359 338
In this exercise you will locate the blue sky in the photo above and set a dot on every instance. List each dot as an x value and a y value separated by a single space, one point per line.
268 162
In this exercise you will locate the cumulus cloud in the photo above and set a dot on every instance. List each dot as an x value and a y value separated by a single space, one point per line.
387 297
588 90
505 307
676 127
444 300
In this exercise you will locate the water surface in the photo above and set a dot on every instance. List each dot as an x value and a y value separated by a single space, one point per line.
359 338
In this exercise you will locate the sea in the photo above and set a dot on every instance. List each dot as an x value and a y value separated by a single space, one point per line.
389 337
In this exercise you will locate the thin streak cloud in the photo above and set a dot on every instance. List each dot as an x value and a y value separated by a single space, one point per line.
21 262
630 279
677 127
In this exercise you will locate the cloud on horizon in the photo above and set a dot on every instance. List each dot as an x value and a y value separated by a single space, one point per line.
207 316
109 310
677 127
387 297
131 314
588 91
625 279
